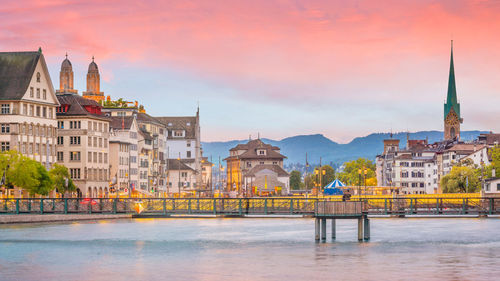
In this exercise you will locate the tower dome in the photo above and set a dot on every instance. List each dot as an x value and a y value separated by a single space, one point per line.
93 66
66 77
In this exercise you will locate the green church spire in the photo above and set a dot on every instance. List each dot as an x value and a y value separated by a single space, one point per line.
451 99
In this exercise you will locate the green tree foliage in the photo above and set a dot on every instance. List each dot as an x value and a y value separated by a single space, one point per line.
314 180
61 179
25 173
350 175
495 158
461 179
295 180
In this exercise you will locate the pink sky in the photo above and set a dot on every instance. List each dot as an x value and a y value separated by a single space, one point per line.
341 68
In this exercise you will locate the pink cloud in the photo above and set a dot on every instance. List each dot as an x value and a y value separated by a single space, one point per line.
294 50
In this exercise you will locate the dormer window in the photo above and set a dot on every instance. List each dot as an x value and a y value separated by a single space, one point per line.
188 123
261 152
178 133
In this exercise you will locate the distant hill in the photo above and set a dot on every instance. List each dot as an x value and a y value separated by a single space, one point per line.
316 146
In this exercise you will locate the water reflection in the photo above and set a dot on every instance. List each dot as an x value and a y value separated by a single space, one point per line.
250 249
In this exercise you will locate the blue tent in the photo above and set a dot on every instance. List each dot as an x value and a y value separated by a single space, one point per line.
333 188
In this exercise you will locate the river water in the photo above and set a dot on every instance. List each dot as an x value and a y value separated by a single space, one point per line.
250 249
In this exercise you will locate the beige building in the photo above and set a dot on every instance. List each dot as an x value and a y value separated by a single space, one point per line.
123 148
206 175
254 157
28 107
83 139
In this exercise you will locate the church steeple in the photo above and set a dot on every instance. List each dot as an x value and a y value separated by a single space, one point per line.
66 77
452 118
93 83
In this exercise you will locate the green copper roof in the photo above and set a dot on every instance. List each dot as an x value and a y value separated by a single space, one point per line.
451 99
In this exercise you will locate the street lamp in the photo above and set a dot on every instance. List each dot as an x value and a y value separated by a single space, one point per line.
359 182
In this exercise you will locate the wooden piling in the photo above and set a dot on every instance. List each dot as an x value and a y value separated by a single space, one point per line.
366 229
316 236
360 229
334 235
323 229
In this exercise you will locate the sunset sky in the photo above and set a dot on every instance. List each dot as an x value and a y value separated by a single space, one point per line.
281 68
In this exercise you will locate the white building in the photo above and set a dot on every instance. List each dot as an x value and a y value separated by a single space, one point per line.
124 156
28 107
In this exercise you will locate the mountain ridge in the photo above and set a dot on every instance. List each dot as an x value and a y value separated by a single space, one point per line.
331 152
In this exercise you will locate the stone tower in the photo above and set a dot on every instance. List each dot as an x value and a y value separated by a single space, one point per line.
66 77
93 83
452 119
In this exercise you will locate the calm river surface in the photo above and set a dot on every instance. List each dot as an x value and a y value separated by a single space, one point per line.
250 249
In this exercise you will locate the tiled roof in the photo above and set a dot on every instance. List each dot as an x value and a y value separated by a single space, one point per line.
143 117
16 71
76 106
118 121
174 164
275 168
180 123
489 139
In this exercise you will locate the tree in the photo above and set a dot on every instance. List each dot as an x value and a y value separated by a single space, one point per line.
461 179
61 179
314 180
26 173
351 176
295 180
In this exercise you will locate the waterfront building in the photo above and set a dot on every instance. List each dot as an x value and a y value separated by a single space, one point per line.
149 128
93 84
124 156
452 117
206 174
183 141
83 143
384 162
145 148
28 108
181 177
244 163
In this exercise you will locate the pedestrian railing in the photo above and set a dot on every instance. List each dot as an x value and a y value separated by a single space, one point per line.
252 206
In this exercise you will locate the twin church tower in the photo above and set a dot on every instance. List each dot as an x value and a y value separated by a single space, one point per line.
93 81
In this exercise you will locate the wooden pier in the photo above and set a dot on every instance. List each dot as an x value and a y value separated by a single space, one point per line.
333 210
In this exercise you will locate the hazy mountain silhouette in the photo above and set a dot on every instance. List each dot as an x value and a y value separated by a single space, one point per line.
316 146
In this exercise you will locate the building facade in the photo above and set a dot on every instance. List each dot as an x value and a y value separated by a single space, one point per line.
28 108
124 156
253 156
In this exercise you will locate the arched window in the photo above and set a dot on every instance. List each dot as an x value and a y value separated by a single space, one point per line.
452 132
38 77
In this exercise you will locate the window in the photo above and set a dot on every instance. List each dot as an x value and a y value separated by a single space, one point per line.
249 164
188 144
44 112
89 126
74 140
60 156
60 140
184 174
32 92
275 163
44 94
100 142
74 156
261 163
37 111
105 158
188 154
90 142
74 173
37 93
498 186
5 108
38 77
5 146
5 128
262 152
178 134
100 157
50 113
106 128
32 109
95 157
100 127
60 124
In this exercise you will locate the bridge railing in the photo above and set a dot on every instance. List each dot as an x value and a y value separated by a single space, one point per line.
255 206
338 208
